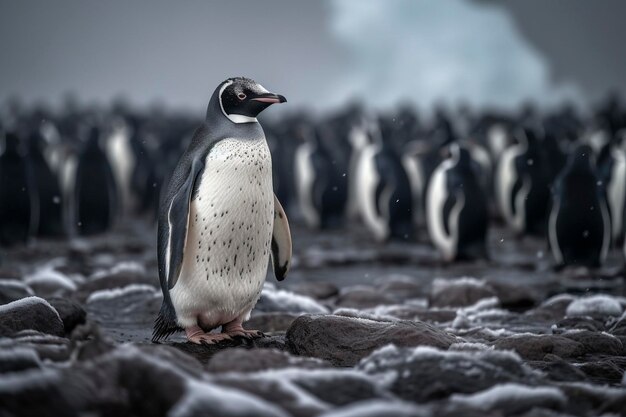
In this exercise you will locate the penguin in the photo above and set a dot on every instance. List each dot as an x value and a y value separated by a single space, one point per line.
51 222
95 194
19 205
456 207
522 184
220 221
611 166
384 191
320 186
579 227
122 159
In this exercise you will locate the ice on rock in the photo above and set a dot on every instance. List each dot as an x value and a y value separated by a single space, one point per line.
512 397
49 276
130 267
275 300
25 303
202 398
595 305
119 292
377 408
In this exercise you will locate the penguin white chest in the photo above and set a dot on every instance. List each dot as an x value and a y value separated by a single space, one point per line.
229 234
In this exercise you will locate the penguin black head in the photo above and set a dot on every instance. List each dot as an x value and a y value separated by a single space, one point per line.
242 99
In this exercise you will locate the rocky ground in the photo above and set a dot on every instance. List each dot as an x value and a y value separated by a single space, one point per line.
357 329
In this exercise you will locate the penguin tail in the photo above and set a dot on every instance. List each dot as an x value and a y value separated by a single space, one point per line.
165 324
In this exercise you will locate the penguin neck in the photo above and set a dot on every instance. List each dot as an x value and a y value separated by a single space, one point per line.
223 127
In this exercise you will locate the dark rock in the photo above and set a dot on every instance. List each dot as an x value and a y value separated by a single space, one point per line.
579 323
271 322
12 290
596 342
47 347
30 313
554 308
253 360
536 347
18 359
514 296
619 328
402 288
363 297
204 353
424 374
186 363
344 341
603 371
72 314
320 290
34 393
557 369
341 388
460 292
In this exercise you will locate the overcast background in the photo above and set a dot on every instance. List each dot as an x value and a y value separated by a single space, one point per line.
317 53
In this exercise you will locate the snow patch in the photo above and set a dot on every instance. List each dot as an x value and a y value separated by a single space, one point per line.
118 292
595 305
379 408
510 393
50 276
287 301
202 397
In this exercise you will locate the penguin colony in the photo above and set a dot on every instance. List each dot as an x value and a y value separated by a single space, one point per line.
557 175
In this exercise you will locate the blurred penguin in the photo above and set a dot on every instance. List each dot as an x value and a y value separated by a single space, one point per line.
321 186
95 194
522 184
611 167
579 227
456 207
383 191
51 222
19 205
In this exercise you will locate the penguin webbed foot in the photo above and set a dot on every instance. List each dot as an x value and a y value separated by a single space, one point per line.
234 329
198 336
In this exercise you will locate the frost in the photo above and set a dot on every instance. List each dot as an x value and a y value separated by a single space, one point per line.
16 284
130 267
203 398
282 300
379 408
49 275
519 395
118 292
595 305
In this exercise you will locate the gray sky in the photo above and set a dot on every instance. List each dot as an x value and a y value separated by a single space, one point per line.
317 53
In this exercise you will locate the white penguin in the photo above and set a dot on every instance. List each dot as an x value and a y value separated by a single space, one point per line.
220 221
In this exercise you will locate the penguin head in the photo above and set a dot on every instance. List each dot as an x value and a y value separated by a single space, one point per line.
242 99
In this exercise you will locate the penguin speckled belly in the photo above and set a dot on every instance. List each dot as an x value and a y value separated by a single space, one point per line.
220 221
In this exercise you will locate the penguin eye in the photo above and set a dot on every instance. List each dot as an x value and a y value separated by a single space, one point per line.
241 96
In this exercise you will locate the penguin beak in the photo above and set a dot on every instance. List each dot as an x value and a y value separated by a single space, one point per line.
270 98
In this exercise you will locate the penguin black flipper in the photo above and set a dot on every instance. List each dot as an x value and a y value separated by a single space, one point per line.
281 242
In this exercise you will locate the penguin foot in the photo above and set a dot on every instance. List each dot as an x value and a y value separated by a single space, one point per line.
198 336
236 330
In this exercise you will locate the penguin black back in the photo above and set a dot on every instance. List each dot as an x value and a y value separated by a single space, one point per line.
19 210
48 190
473 218
579 226
397 202
95 195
